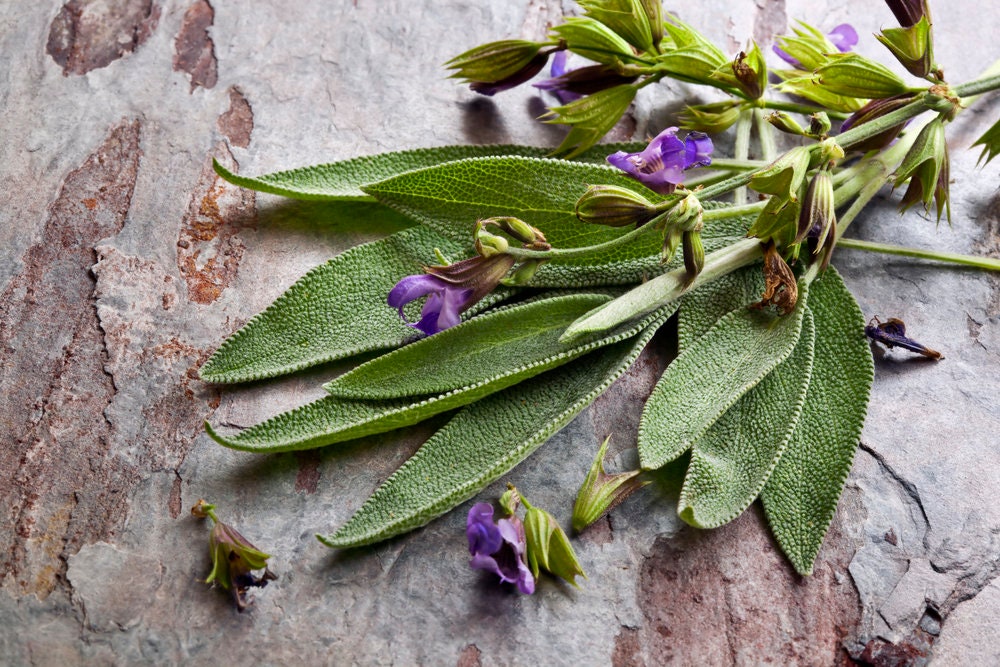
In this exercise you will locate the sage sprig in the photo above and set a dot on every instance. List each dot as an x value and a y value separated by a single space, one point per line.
528 284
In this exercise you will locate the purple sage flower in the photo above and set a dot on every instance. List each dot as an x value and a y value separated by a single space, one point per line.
499 547
844 37
450 290
660 167
443 307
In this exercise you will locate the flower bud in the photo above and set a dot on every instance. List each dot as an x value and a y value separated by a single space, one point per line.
497 66
911 46
711 118
614 206
671 241
490 245
869 112
548 547
784 176
818 210
785 123
600 492
519 229
856 76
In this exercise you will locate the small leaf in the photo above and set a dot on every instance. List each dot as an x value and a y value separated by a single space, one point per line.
801 495
734 459
707 378
450 198
335 419
594 40
502 347
335 311
343 180
484 441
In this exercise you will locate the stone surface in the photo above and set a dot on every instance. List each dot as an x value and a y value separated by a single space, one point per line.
124 261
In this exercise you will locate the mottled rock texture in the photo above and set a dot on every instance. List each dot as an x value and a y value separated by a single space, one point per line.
124 261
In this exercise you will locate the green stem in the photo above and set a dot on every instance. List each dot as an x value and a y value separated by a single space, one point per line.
804 109
737 165
978 86
765 135
987 263
732 211
741 149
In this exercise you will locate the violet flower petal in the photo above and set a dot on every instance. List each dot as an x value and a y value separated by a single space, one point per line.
483 535
844 37
555 84
412 288
697 150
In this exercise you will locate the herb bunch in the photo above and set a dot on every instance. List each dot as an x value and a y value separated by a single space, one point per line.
529 284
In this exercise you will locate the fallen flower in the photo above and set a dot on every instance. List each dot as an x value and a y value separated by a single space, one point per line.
234 558
499 547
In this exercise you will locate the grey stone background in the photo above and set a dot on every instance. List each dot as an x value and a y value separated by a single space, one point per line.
124 261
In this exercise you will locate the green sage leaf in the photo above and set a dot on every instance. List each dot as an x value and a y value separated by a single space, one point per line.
733 460
343 180
484 441
706 379
450 198
335 419
496 349
335 311
802 493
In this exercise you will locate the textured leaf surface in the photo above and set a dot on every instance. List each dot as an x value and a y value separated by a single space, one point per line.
499 348
335 311
335 419
701 308
731 463
450 198
662 290
706 379
343 179
484 441
802 493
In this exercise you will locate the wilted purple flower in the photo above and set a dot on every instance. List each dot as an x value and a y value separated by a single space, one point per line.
844 37
499 547
450 290
661 165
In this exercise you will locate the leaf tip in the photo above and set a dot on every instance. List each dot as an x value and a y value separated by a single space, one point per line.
222 171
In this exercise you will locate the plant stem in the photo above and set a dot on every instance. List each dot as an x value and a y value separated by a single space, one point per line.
804 109
987 263
732 211
741 149
737 165
978 86
765 135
